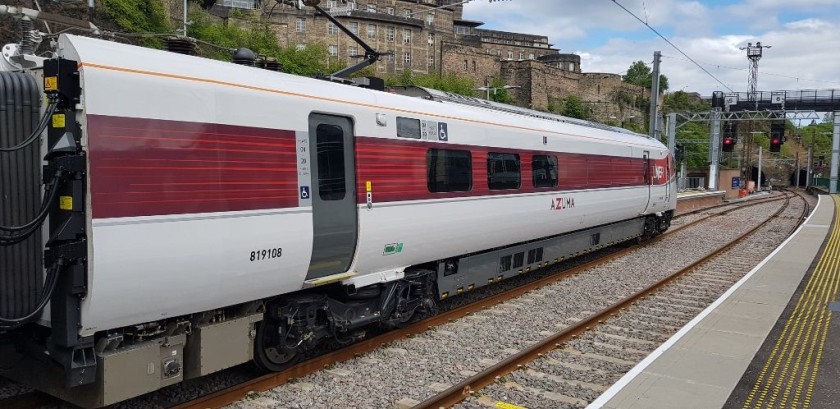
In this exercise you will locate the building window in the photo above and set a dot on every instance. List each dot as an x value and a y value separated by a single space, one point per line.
371 8
571 66
240 4
430 19
371 31
531 56
510 55
351 4
300 25
449 170
390 34
474 67
352 51
431 39
465 65
333 50
431 60
462 30
331 28
406 36
407 13
407 59
521 55
389 10
544 170
503 171
333 3
354 28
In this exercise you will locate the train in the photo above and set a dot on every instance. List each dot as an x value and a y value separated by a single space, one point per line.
172 216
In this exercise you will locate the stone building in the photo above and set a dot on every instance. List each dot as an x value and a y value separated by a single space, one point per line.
432 36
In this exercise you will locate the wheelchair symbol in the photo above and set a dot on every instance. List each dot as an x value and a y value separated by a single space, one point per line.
304 192
443 132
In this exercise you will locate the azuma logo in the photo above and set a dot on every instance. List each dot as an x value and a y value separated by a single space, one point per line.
561 203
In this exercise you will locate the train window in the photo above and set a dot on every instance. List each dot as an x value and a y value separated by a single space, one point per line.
408 128
539 254
504 263
532 256
331 182
518 260
449 170
503 171
544 170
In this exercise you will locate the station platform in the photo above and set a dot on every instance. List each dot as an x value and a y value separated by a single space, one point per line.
769 341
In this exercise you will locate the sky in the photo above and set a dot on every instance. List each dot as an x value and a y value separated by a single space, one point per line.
804 36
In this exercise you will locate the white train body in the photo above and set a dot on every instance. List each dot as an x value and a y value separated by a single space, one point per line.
201 185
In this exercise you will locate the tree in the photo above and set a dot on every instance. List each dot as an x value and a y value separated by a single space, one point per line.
574 107
680 101
639 74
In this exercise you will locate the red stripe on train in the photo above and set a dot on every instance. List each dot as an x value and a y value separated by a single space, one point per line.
145 167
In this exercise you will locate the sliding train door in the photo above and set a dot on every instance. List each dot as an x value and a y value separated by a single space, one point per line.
333 193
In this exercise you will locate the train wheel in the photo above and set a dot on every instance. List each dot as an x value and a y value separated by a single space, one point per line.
274 349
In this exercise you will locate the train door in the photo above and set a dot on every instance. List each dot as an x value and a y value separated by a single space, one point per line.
647 176
333 192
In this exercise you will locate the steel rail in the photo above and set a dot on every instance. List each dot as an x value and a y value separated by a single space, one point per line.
464 389
272 380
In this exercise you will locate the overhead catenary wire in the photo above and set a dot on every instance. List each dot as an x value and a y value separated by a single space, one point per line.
672 44
719 66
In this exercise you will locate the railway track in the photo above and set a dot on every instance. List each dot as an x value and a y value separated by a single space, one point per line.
265 382
590 354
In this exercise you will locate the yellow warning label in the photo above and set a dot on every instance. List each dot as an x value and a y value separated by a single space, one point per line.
505 405
58 121
65 202
50 83
368 186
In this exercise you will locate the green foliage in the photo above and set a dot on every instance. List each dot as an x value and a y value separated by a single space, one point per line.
681 102
639 74
694 137
454 83
257 36
574 107
138 16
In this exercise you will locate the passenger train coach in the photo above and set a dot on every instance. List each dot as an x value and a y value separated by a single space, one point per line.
201 214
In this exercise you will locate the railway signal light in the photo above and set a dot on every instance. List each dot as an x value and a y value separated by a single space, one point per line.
728 144
775 144
777 136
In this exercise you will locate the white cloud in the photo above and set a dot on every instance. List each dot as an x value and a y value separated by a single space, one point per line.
802 50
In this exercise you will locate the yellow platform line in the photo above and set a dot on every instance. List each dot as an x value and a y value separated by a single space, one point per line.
793 348
815 299
773 360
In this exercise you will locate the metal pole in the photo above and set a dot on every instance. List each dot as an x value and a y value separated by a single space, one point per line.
714 152
758 181
810 165
654 94
184 33
797 169
671 132
835 153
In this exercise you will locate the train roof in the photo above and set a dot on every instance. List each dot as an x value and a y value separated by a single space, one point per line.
110 56
452 98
